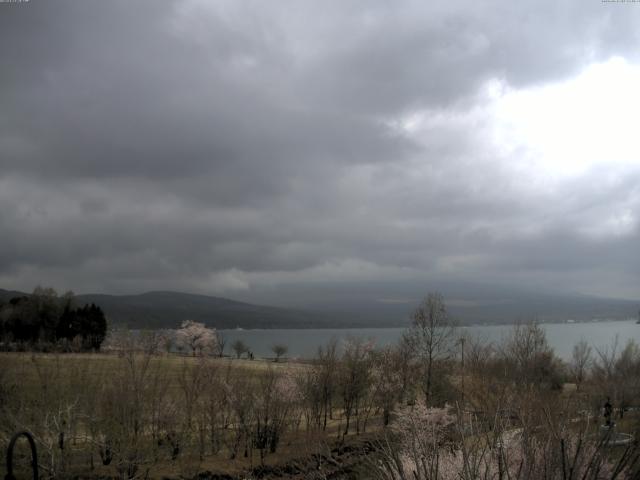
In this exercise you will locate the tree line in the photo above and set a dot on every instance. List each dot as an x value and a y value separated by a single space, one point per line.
46 321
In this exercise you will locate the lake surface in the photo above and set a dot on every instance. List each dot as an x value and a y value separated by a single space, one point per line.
304 343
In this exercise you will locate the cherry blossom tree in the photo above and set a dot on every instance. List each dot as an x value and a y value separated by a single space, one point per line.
434 444
197 338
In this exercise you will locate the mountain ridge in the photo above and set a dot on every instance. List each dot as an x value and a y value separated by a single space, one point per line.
167 309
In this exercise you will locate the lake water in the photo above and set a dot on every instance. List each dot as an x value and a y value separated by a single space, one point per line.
305 343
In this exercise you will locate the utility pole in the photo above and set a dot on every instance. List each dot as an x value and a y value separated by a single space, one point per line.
462 356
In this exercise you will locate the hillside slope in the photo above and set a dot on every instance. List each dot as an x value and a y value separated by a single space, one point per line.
166 309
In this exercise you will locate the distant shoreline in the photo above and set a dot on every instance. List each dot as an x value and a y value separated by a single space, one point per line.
389 327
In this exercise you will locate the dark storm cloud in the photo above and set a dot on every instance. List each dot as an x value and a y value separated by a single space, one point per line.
219 146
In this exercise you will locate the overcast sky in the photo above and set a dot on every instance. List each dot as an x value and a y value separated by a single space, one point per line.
234 147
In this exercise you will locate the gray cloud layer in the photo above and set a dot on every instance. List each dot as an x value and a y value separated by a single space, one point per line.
228 147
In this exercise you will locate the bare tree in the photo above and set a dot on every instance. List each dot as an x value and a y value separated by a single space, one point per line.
387 376
327 365
354 378
405 361
273 401
433 336
239 347
528 358
627 369
152 342
222 342
279 350
241 397
122 415
580 360
191 379
309 385
216 409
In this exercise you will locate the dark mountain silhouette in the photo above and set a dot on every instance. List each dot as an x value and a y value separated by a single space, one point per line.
166 309
169 309
469 303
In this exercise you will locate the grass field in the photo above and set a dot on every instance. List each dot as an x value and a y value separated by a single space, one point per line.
77 393
133 415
